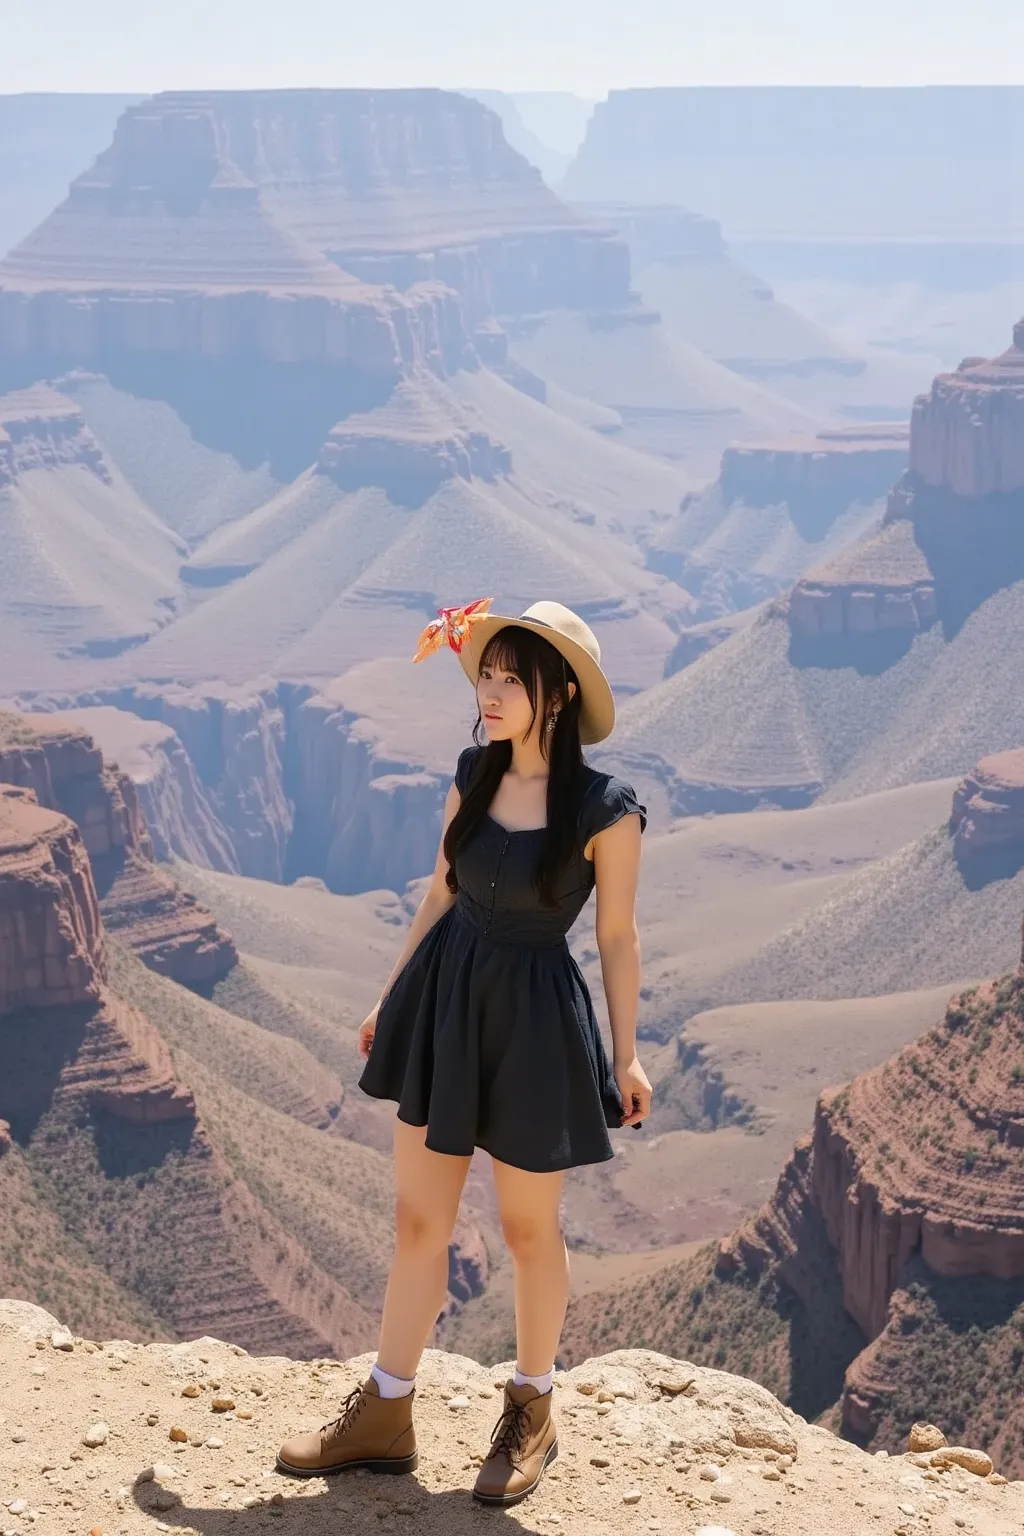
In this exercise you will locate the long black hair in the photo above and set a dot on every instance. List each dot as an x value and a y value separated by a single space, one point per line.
546 675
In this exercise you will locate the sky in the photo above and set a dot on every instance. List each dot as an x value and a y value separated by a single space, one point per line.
585 46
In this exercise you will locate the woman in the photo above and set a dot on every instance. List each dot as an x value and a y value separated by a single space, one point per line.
485 1033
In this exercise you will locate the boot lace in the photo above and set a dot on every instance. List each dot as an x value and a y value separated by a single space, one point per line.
511 1432
349 1411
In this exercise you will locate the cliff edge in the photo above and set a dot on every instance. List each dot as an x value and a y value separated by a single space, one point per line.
641 1437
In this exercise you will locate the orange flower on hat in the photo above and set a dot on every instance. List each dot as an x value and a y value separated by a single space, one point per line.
452 625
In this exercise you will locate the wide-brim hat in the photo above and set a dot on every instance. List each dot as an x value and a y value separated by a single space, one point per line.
576 641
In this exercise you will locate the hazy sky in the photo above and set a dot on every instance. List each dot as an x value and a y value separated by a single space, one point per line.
586 46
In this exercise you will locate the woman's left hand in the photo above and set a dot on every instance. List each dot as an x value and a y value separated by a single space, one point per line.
636 1091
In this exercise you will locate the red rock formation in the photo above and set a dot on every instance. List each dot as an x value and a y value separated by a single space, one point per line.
51 948
988 805
60 764
403 186
880 584
967 434
40 429
165 247
921 1158
51 959
411 445
835 467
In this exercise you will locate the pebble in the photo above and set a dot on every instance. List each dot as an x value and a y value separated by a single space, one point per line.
96 1434
632 1496
604 1408
605 1396
192 1390
166 1498
720 1496
19 1437
244 1413
61 1338
222 1404
177 1433
18 1506
709 1472
214 1443
152 1418
600 1461
458 1402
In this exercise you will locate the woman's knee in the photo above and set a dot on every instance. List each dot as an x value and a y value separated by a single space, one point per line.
420 1230
528 1235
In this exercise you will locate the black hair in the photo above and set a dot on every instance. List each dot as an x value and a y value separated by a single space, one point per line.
535 661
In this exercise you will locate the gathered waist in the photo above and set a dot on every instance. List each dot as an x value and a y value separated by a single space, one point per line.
527 928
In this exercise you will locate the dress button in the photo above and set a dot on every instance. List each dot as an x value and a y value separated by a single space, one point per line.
492 885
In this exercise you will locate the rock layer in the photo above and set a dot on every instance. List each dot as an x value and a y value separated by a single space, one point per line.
967 434
834 468
165 247
988 806
60 765
921 1159
41 429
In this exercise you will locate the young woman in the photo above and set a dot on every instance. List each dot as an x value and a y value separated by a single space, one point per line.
485 1033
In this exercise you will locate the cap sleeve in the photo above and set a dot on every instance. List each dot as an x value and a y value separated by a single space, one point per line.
464 767
607 803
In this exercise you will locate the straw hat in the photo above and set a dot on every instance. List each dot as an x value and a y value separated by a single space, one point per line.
467 630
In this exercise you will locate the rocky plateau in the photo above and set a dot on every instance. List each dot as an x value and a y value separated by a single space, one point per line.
112 1435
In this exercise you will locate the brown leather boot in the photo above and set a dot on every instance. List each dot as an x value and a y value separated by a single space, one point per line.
523 1444
372 1431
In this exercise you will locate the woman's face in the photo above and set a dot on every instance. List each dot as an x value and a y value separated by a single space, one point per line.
505 705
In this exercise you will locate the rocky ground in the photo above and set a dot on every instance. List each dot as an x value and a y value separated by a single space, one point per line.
118 1438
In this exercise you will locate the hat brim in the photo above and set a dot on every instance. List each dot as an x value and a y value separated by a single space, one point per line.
597 703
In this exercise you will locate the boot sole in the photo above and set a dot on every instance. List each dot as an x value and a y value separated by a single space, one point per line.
370 1464
524 1493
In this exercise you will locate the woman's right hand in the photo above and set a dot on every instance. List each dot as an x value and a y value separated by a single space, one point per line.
367 1030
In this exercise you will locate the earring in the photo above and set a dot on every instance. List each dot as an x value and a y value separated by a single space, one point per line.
551 720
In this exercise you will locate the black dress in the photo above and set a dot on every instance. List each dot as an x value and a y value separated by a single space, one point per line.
488 1035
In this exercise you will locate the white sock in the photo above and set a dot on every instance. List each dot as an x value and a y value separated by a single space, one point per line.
392 1386
542 1383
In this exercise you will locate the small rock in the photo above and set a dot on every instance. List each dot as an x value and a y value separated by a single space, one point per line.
674 1385
152 1418
222 1404
632 1496
998 1480
964 1456
165 1498
96 1434
179 1434
244 1413
783 1463
709 1472
192 1390
61 1338
720 1496
18 1506
604 1396
907 1509
772 1475
458 1402
588 1388
604 1408
277 1499
214 1443
600 1461
97 1530
925 1437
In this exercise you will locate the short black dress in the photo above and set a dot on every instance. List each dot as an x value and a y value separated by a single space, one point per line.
488 1035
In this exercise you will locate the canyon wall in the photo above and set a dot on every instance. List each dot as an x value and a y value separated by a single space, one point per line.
953 528
60 766
921 1159
988 807
41 429
166 249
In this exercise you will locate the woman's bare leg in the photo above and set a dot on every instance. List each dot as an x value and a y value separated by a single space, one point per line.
529 1204
428 1187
